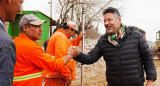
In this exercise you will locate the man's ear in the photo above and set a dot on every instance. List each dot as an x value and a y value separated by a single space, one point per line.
24 28
119 19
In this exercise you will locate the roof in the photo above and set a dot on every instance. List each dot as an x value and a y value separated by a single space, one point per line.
52 22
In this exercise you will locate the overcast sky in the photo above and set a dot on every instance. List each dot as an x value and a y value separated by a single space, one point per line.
144 14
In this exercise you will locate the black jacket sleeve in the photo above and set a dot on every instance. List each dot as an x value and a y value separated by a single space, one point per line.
92 56
146 55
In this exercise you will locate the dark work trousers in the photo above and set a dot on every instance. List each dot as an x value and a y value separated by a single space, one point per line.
114 85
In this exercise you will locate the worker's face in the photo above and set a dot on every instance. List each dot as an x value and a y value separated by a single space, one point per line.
34 32
112 23
72 28
12 8
72 32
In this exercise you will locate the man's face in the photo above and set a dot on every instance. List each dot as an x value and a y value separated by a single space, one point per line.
144 35
34 32
13 8
72 32
112 23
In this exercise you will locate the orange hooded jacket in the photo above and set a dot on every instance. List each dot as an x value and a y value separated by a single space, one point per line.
31 60
58 46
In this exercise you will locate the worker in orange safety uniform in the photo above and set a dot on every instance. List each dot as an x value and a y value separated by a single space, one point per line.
31 59
57 46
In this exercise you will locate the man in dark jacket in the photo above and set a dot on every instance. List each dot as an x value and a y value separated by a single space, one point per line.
126 53
8 11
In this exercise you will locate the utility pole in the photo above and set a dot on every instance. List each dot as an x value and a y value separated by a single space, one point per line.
83 49
72 11
50 17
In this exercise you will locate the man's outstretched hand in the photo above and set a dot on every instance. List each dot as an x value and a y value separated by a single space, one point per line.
73 51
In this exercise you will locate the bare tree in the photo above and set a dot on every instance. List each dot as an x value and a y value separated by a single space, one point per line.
72 10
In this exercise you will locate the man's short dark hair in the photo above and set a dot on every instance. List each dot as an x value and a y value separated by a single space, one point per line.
65 26
28 25
112 10
142 31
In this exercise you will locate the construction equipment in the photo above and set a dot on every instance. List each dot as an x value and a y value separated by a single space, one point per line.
156 49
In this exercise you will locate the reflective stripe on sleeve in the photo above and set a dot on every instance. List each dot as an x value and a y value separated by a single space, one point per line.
51 56
26 77
54 56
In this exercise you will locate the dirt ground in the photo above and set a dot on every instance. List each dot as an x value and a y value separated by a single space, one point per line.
157 64
94 75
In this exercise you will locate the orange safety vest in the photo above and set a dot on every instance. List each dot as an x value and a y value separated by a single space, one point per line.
31 60
58 46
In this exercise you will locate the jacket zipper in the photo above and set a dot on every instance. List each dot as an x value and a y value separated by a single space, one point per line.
119 60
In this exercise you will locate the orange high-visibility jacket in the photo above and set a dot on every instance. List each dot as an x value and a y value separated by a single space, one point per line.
58 46
31 60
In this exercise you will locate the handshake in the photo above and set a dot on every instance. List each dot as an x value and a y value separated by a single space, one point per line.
73 51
